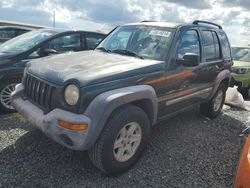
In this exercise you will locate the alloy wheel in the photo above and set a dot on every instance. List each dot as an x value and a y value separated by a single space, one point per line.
5 96
127 142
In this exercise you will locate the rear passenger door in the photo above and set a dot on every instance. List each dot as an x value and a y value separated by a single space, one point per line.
212 61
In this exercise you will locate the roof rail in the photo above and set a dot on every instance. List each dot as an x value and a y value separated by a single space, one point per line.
196 22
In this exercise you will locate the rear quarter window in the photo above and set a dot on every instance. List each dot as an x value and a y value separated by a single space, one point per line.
225 46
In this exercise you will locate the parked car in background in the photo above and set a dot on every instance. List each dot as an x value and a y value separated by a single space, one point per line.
9 32
107 100
15 53
241 69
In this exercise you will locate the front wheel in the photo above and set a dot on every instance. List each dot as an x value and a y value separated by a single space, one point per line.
6 88
213 107
122 141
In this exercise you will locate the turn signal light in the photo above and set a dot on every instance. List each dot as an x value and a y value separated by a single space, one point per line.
71 126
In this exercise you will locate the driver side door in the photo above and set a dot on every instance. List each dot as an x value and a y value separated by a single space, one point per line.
181 82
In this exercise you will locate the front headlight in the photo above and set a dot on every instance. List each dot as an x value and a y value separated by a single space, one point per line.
240 70
71 94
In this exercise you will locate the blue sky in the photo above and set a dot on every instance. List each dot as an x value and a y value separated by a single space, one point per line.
101 15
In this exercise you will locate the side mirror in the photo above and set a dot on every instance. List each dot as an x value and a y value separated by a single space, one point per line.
46 52
189 60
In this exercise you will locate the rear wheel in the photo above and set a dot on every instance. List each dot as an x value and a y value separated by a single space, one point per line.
122 141
213 107
6 88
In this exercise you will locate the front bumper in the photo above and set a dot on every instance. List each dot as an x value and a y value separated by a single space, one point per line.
75 140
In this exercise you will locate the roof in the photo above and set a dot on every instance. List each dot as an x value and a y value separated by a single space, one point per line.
67 30
11 23
175 25
159 24
16 27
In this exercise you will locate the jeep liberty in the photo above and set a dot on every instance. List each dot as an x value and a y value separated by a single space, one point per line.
106 101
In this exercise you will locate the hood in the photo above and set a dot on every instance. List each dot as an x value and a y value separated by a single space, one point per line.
241 64
90 67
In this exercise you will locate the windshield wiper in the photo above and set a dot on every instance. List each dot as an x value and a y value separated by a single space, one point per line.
103 49
127 52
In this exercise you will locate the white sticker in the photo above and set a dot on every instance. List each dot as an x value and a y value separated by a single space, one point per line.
160 33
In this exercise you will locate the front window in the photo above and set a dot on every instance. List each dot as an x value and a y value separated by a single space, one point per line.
189 43
142 41
241 54
26 41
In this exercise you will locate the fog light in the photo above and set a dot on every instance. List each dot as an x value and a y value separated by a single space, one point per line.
71 126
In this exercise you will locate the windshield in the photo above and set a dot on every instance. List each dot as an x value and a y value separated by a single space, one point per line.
140 41
26 41
241 54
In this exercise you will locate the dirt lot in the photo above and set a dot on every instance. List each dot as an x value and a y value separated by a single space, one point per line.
185 151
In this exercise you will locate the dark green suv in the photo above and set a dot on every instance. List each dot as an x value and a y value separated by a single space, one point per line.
106 101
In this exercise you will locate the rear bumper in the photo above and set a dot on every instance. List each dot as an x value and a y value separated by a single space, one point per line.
75 140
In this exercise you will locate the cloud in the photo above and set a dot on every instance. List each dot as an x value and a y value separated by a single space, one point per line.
104 15
236 3
194 4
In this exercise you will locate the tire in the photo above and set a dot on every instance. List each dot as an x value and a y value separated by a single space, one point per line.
105 155
5 89
212 109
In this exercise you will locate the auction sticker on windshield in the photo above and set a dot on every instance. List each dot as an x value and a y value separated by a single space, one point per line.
160 33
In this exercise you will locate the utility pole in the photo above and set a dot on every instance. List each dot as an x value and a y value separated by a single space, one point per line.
54 18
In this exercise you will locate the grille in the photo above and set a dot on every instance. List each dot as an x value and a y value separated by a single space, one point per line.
38 92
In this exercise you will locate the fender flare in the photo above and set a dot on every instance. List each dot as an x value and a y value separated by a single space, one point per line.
100 109
225 74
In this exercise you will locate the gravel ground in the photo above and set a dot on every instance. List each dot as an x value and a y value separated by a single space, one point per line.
185 151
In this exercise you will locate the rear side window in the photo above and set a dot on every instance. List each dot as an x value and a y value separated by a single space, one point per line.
211 45
7 33
225 46
92 40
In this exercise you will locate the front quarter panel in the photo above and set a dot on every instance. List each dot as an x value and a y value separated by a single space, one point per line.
103 105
